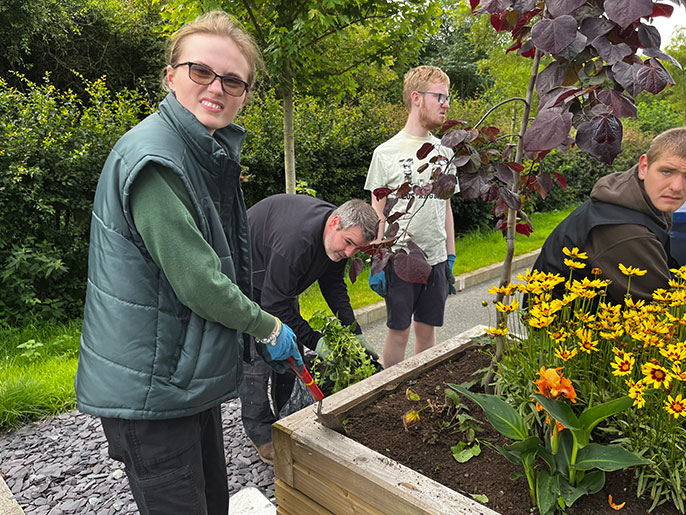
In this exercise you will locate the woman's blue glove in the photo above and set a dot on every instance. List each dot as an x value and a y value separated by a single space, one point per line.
377 282
276 349
451 278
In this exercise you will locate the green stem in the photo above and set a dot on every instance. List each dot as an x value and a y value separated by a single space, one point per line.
572 461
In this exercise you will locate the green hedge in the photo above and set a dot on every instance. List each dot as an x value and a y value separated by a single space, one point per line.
52 148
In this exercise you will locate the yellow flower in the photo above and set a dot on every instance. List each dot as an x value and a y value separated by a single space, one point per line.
504 290
564 354
675 352
575 253
656 375
574 264
630 270
677 373
560 335
541 322
623 364
636 392
497 331
507 308
675 406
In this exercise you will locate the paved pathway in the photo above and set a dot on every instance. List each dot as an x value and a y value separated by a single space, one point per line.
60 466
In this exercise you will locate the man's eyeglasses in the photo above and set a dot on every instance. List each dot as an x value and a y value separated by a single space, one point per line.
442 99
201 74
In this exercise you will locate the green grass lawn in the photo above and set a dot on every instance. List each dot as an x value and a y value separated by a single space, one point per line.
38 363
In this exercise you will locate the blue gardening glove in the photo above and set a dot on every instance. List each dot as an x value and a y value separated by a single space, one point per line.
451 278
277 348
377 282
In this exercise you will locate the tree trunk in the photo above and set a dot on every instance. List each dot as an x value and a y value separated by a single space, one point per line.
288 132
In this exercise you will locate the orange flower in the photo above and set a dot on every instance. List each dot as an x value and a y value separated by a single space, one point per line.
613 505
552 384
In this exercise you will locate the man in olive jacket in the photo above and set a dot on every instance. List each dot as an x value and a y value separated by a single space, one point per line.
627 221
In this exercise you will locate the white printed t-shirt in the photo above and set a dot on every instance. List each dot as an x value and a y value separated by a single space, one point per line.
394 162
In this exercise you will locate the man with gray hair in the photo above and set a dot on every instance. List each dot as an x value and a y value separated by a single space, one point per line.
297 240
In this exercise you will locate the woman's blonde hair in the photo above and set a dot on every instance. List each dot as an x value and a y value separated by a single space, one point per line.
218 23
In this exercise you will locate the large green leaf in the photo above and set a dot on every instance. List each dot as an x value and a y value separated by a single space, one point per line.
607 458
547 492
503 416
559 410
592 483
522 451
592 416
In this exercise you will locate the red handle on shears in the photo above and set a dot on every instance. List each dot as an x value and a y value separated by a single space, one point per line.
306 378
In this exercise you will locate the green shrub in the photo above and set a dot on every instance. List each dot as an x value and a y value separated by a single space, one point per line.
333 144
52 148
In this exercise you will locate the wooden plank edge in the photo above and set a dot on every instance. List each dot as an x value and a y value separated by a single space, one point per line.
289 500
350 464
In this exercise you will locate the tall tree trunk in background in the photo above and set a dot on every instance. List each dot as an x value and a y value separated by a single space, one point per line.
288 133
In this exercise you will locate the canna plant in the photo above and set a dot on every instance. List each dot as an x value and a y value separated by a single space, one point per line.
576 466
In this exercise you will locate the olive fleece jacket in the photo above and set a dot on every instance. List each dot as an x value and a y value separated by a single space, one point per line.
629 244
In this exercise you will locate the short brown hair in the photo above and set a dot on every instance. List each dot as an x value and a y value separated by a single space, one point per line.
672 142
218 23
419 78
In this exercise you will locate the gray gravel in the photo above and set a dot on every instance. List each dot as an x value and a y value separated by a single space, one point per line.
60 466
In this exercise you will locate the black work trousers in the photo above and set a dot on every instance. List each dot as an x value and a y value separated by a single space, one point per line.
174 466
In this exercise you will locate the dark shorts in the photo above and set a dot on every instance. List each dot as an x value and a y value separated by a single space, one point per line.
425 301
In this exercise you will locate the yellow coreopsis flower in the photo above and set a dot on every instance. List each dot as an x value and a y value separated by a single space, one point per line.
676 406
564 353
586 341
504 290
623 364
507 308
541 322
677 373
575 253
655 375
630 270
675 352
636 390
577 265
560 335
497 331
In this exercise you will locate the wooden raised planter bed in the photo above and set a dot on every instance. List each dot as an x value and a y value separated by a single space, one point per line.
319 471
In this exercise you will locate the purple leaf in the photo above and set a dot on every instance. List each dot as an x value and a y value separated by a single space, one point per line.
573 50
471 185
444 186
522 6
611 53
554 97
601 137
422 191
559 7
554 35
381 193
495 6
390 204
545 182
622 107
412 267
454 138
548 130
653 79
392 230
504 173
424 150
594 27
649 36
656 52
356 267
552 76
625 12
379 261
511 199
625 74
462 160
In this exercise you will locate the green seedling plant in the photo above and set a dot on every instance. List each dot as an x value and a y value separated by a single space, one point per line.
457 419
576 466
31 349
347 361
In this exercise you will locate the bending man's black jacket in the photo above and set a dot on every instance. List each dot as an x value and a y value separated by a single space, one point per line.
288 255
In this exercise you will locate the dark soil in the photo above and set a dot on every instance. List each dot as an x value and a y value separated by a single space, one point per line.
422 448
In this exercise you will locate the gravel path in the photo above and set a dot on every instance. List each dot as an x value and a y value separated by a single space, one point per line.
60 466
